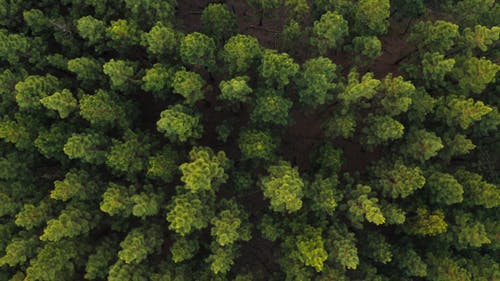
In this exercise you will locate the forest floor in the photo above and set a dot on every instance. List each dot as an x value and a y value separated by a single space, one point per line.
302 136
299 139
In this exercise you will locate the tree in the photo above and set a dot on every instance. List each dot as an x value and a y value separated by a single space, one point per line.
481 37
277 68
187 212
363 206
400 180
340 125
89 147
478 192
205 172
163 164
161 40
444 188
77 184
116 200
257 145
438 36
129 155
91 29
329 32
396 94
381 129
230 225
310 247
371 17
179 124
322 194
357 90
103 108
271 109
139 243
263 5
422 145
475 74
316 82
283 187
198 49
241 52
63 102
123 34
189 85
366 49
158 80
86 69
461 111
434 69
71 222
120 73
30 91
235 90
53 262
427 223
218 21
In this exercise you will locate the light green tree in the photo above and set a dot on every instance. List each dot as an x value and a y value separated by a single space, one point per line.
283 187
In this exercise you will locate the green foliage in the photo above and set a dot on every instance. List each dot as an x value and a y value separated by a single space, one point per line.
366 49
123 33
34 88
158 80
427 223
316 82
277 68
422 145
163 164
381 129
161 40
445 189
329 32
128 155
255 144
63 102
88 147
438 36
462 111
198 49
400 180
230 225
283 187
475 74
184 249
371 17
91 29
205 172
478 192
218 21
357 90
102 108
144 140
187 212
311 249
271 109
362 206
235 90
189 85
116 200
434 69
86 69
120 72
138 244
241 52
71 222
179 125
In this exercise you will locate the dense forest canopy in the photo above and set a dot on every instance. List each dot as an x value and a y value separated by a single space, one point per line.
295 140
